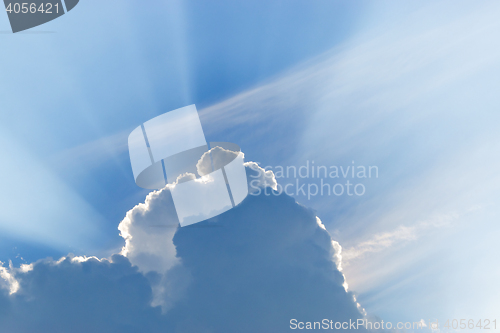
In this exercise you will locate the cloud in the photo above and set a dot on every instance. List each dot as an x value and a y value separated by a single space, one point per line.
259 178
399 236
250 269
148 230
262 263
146 226
7 281
215 158
80 295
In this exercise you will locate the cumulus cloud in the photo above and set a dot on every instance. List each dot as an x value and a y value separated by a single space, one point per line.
80 295
148 229
250 269
256 267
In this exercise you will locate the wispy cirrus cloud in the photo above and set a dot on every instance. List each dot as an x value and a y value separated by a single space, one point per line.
395 238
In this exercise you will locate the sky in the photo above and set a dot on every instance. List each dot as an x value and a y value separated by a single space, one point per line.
411 89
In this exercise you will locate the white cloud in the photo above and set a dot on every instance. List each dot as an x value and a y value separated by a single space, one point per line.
215 158
148 229
8 281
259 178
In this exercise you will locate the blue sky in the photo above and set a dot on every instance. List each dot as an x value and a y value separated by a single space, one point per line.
410 88
101 79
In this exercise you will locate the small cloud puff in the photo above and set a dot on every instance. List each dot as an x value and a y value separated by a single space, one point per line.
214 159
